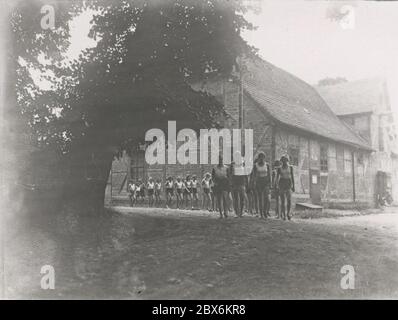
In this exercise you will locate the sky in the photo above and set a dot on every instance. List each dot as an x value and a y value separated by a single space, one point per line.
298 37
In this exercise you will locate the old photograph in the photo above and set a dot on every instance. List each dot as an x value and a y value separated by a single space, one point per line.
198 150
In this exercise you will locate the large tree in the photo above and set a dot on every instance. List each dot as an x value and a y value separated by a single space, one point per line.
137 77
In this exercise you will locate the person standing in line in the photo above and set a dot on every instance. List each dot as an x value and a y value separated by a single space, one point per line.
220 176
138 191
142 192
212 195
252 187
285 181
169 191
131 189
262 180
275 187
194 187
179 186
238 182
158 190
206 200
187 192
151 192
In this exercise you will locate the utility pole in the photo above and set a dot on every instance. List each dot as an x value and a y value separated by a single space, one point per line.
241 115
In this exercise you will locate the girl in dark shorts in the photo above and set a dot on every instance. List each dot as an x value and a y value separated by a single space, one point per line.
194 187
158 190
169 192
275 187
179 186
151 192
142 192
251 196
131 189
238 183
262 181
220 176
187 191
285 181
206 187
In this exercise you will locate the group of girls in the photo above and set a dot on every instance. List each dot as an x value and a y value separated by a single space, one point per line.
225 189
182 192
252 192
139 191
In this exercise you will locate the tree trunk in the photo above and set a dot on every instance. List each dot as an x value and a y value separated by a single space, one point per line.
85 183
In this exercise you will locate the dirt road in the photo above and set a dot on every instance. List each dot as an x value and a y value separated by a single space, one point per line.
164 254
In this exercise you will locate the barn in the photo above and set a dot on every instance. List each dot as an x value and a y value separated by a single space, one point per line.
288 116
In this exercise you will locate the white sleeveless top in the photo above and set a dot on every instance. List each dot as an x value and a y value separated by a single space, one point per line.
262 170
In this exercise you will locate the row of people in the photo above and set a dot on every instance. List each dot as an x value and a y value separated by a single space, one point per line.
184 191
225 188
254 188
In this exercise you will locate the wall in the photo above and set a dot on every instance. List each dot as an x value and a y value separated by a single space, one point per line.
337 181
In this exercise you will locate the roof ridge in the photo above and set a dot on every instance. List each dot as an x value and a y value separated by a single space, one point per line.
283 96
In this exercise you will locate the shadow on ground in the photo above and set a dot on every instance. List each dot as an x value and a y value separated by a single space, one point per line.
164 254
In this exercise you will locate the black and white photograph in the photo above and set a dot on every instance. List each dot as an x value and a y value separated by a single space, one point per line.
206 150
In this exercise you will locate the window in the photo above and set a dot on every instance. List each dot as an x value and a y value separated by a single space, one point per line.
293 153
324 158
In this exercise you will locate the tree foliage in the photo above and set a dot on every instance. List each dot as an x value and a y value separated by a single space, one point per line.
138 76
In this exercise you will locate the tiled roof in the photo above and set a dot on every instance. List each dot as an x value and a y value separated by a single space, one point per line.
354 96
293 102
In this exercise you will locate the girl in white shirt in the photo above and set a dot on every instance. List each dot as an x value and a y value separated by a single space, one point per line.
158 190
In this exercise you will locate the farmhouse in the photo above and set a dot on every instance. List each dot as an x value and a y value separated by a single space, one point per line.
288 116
365 106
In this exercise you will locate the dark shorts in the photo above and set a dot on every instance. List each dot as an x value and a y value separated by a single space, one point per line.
194 190
179 191
222 186
285 184
262 184
169 191
150 192
206 190
239 188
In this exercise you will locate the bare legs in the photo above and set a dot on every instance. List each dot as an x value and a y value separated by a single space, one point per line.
222 203
239 200
285 195
263 200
